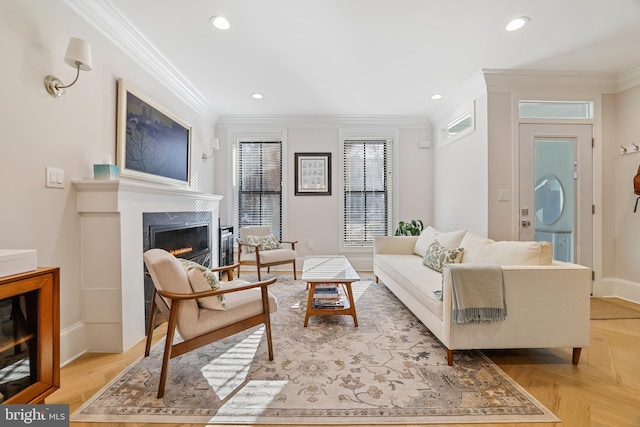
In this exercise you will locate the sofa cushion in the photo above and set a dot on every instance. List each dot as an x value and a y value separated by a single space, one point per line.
437 256
409 273
450 239
479 249
202 279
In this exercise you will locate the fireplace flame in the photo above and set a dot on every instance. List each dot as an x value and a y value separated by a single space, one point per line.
181 251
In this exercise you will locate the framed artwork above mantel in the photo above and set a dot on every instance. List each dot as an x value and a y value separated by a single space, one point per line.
313 174
152 143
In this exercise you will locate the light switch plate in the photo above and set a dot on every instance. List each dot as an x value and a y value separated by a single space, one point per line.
53 177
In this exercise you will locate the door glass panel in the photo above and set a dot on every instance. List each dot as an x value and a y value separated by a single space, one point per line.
554 195
549 199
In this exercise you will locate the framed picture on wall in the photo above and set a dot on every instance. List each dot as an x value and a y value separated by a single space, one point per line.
313 174
152 144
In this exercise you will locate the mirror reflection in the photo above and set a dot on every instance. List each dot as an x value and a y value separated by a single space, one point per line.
549 199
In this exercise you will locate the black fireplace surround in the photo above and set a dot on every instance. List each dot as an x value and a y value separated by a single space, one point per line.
184 234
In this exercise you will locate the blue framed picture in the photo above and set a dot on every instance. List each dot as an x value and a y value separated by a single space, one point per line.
152 144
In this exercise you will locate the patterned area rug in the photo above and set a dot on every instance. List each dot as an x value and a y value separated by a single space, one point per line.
389 370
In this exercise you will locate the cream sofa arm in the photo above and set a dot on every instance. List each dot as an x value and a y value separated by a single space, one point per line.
547 306
394 245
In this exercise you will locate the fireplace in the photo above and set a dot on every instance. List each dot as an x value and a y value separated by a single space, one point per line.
189 241
185 234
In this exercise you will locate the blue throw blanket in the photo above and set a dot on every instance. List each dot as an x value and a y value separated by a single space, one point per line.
478 293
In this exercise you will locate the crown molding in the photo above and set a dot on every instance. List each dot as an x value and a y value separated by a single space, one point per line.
323 121
114 26
518 79
628 79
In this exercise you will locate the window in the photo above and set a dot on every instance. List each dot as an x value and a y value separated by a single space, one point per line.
367 191
259 184
555 110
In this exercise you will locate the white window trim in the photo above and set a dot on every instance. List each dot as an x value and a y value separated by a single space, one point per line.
467 109
235 135
367 133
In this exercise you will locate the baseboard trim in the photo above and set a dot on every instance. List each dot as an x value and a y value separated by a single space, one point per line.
73 342
619 288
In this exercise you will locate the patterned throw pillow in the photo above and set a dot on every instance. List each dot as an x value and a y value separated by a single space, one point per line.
265 243
202 279
437 256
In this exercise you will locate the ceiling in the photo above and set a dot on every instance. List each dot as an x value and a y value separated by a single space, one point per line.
372 57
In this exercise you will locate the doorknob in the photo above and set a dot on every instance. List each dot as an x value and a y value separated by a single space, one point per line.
526 223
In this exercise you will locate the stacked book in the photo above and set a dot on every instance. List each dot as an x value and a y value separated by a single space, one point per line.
327 296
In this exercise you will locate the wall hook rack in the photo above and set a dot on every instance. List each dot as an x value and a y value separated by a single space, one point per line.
634 148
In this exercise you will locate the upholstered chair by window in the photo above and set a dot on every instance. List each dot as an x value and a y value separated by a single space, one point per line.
257 246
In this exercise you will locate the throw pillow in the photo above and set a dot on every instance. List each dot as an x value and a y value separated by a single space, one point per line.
449 239
437 256
265 243
202 279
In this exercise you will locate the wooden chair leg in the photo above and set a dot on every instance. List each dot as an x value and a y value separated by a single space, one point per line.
449 357
167 347
152 316
267 320
294 270
576 356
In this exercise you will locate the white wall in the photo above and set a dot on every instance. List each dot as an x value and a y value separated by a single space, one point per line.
626 223
71 133
461 174
317 218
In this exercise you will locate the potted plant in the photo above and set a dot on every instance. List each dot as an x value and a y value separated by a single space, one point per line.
409 228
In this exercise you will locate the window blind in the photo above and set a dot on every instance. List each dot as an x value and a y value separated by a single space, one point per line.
259 179
367 191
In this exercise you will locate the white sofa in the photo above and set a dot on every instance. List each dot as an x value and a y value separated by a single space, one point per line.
547 301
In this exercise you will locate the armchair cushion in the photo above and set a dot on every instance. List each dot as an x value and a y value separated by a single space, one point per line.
265 243
240 305
202 279
277 255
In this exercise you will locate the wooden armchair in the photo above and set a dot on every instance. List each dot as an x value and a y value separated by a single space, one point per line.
252 254
247 305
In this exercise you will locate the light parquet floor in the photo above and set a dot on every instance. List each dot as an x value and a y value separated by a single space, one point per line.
602 391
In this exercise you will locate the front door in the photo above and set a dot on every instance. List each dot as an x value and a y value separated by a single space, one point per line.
556 189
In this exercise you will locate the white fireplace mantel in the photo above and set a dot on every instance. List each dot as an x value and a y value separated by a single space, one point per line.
112 247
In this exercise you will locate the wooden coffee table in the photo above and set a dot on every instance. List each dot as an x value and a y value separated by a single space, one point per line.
330 269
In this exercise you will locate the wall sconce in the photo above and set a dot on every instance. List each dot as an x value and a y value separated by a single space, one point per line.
214 146
78 56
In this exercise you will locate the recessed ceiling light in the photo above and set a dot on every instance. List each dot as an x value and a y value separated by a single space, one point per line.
517 23
220 22
256 95
436 96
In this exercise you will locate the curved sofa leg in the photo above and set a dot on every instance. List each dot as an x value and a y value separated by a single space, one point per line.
576 356
449 357
377 280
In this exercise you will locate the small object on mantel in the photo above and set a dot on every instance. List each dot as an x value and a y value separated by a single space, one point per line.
16 261
106 172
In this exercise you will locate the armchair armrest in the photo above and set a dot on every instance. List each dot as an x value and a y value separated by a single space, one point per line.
291 242
196 295
228 268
